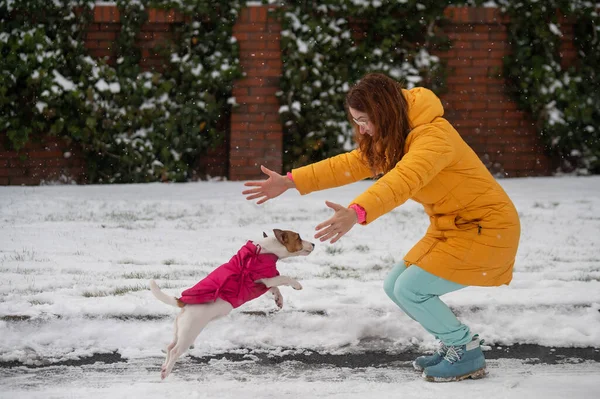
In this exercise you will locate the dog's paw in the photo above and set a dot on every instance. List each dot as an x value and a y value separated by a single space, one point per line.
279 301
296 285
277 297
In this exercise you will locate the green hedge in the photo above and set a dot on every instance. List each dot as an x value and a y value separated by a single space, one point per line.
139 126
329 44
134 125
565 102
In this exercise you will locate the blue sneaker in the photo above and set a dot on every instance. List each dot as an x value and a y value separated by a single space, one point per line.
422 362
459 363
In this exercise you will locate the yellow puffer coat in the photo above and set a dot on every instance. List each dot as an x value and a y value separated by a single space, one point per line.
474 227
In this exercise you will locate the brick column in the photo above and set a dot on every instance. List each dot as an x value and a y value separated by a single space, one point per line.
476 102
256 134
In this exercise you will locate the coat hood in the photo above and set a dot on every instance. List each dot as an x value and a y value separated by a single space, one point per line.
423 106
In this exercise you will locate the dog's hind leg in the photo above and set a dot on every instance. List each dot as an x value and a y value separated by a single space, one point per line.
190 325
172 344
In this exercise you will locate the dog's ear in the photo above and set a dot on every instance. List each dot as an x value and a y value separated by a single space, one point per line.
280 235
264 235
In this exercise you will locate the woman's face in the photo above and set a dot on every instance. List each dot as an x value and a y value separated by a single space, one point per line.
362 121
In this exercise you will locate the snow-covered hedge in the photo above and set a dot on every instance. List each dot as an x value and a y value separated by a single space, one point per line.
565 102
330 44
134 125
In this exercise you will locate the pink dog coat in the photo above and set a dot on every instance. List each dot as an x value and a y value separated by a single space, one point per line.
234 280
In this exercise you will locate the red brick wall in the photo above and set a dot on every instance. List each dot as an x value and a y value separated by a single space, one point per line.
106 27
42 160
476 103
256 135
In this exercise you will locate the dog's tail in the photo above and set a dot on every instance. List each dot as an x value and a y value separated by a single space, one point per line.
161 296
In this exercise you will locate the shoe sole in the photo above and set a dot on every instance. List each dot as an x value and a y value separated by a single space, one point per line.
475 375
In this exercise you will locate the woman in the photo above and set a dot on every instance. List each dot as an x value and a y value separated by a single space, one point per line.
474 227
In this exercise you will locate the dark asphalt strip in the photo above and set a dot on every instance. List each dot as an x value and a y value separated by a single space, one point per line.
531 354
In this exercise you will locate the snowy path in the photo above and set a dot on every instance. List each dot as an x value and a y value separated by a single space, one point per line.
237 380
75 263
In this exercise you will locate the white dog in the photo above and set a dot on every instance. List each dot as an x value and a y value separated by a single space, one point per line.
249 274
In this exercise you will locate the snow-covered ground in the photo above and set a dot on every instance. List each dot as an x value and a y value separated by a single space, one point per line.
508 379
75 262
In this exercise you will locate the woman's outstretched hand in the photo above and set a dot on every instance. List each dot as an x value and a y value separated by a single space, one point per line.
265 190
339 224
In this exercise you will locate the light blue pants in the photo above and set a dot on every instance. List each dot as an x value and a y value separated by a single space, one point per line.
417 293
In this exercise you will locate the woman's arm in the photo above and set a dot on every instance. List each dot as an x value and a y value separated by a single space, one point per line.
333 172
429 153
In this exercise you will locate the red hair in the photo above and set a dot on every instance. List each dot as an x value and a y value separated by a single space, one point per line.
380 97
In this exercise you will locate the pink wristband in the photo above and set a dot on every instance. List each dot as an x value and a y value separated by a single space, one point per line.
289 175
360 213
